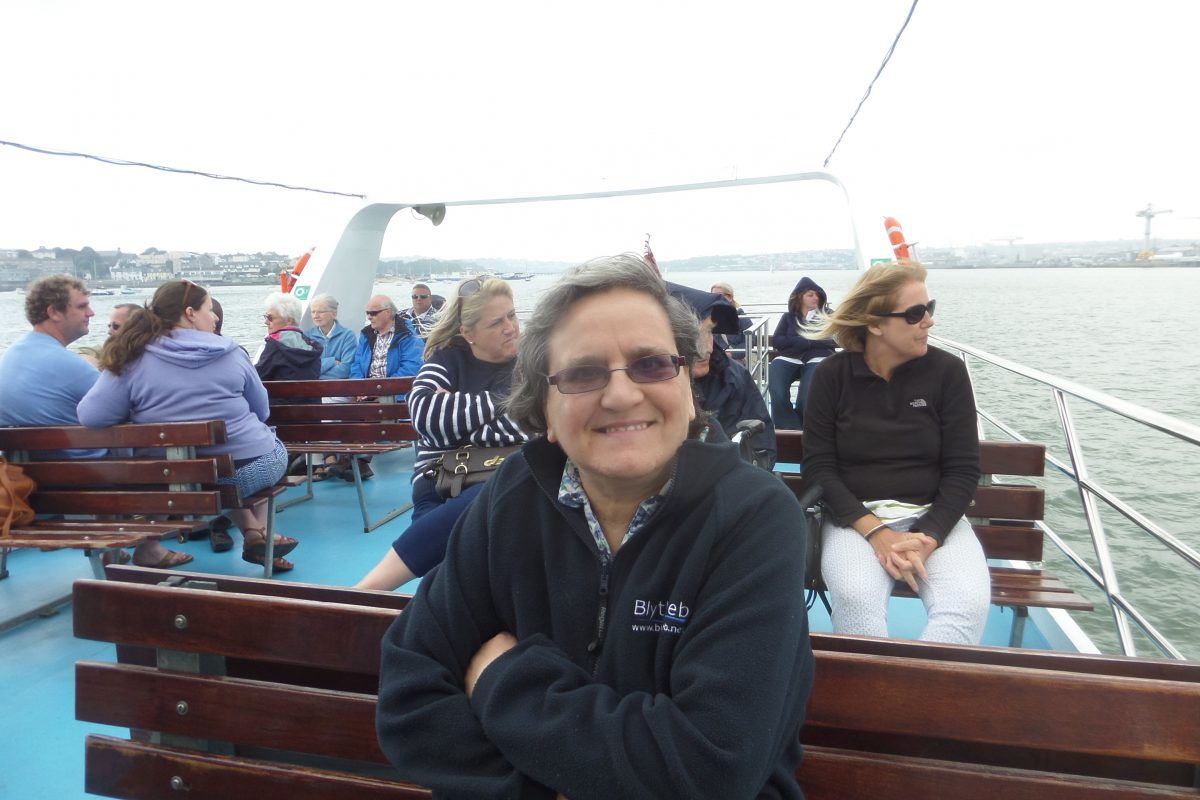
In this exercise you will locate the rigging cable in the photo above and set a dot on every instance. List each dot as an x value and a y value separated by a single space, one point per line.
123 163
887 57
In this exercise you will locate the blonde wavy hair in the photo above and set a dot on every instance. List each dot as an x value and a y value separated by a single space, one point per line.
873 294
464 312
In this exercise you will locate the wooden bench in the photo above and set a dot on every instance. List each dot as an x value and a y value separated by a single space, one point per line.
219 707
351 429
177 484
1004 517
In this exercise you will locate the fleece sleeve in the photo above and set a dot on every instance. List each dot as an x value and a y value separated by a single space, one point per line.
425 723
959 454
740 677
106 403
820 445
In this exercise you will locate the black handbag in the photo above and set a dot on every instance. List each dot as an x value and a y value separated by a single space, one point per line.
468 466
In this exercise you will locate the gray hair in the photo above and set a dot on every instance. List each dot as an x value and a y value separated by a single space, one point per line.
284 305
327 300
526 403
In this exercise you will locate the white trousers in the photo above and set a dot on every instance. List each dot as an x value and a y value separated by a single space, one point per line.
956 595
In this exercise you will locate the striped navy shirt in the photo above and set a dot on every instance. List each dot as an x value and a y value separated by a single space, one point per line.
466 412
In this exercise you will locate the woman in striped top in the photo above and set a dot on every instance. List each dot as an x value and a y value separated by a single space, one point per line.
455 401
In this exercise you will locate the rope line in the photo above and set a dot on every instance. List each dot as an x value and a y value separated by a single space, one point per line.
871 85
123 163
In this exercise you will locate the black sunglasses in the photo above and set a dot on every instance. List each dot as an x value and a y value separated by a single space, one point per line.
913 314
588 378
420 297
371 313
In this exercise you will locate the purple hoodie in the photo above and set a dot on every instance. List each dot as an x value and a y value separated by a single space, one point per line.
185 376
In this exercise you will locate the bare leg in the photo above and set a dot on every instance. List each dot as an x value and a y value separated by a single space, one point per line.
389 574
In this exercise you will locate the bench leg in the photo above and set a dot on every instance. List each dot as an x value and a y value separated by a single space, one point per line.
308 485
3 563
269 562
1015 637
368 525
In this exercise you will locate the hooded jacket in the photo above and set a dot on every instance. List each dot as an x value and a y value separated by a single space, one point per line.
679 668
708 304
729 392
789 340
290 355
184 376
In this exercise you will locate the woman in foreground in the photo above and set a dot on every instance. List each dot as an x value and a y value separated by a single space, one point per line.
890 436
166 364
455 401
617 614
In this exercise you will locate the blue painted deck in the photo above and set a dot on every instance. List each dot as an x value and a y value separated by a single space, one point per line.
42 754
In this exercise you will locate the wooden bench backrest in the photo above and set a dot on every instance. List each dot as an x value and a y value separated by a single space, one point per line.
166 434
348 387
967 714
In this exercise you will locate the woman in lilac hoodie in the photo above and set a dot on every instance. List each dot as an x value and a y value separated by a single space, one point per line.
166 364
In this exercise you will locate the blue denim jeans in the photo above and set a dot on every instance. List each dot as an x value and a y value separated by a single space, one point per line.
780 377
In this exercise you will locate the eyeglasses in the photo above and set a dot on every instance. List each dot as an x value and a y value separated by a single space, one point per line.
316 311
268 317
114 326
588 378
420 297
372 314
913 314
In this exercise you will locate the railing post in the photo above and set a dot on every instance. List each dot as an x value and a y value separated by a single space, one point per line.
1095 526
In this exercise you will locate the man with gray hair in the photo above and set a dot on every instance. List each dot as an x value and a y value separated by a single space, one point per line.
422 316
41 381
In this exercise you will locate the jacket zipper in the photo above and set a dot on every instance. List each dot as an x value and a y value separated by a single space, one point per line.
601 614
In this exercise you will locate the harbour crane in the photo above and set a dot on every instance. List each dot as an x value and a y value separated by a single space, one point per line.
1149 212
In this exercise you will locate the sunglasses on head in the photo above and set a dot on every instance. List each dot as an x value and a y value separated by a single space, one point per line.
472 286
589 378
913 314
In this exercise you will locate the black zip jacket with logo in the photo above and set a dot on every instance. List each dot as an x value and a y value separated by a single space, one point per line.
680 668
911 439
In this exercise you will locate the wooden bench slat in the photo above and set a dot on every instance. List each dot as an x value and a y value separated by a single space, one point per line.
166 434
347 387
1011 543
995 458
145 615
837 774
229 710
1007 501
117 768
1042 709
338 412
365 432
72 541
155 529
125 472
132 502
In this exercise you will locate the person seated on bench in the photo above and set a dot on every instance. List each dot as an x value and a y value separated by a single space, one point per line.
41 381
387 348
289 355
455 401
797 355
617 614
891 439
337 341
167 365
732 341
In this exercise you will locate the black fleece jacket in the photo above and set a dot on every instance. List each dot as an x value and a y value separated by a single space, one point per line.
911 439
680 668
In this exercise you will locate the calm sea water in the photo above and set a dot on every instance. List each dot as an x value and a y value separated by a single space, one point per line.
1128 332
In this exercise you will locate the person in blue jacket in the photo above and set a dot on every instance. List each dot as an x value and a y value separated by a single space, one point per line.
796 356
617 613
338 341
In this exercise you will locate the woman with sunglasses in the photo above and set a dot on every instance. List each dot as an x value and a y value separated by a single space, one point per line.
166 364
455 401
617 613
289 354
890 437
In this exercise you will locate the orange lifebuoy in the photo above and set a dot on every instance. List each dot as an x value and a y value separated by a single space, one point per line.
896 237
287 278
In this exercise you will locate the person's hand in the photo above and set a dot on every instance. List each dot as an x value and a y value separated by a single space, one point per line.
492 649
909 555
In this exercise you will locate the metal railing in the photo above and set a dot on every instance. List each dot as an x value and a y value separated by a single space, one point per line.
1090 490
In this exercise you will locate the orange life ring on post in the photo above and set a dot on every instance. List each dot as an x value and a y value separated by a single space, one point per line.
287 278
896 237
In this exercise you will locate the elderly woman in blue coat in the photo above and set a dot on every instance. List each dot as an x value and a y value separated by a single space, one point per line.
339 342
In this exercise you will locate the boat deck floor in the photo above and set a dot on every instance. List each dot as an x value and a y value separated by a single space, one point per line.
42 754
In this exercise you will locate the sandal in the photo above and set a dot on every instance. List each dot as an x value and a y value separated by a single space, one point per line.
172 559
256 545
319 474
114 557
218 538
280 564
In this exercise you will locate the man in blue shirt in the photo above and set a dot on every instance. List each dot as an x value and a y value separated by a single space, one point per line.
41 381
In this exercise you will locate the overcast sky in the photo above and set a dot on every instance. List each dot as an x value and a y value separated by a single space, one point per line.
1050 120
